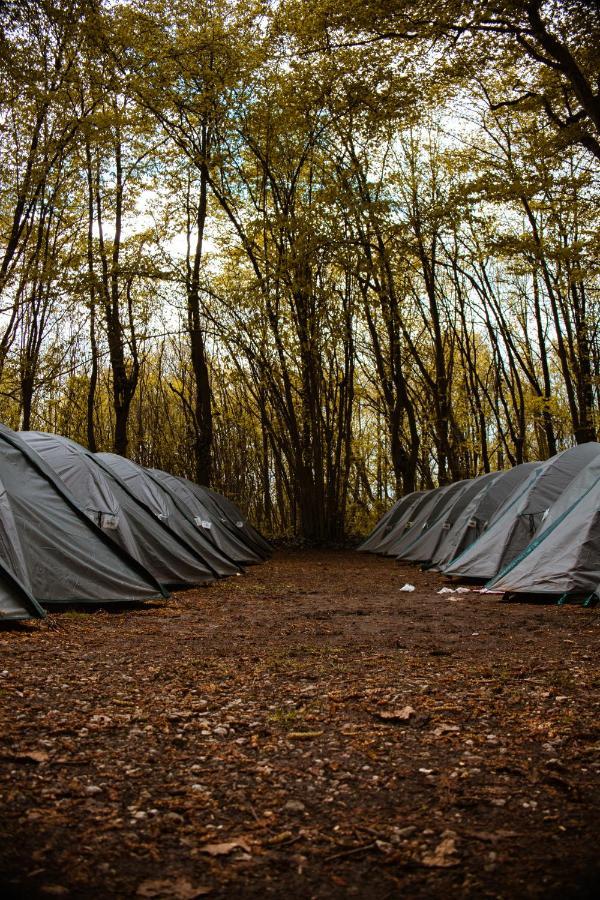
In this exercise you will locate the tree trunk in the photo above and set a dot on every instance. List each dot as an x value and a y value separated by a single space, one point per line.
203 418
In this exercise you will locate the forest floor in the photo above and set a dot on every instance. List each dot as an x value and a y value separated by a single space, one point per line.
305 730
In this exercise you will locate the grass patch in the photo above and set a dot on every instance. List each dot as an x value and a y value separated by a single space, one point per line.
285 718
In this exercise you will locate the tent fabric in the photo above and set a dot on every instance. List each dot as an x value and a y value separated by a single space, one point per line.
203 517
123 519
516 521
426 512
564 556
154 497
76 468
50 545
403 517
374 537
405 521
479 512
424 548
230 515
15 601
236 517
387 522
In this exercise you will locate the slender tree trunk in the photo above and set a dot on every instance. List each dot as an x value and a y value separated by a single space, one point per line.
93 382
548 424
203 418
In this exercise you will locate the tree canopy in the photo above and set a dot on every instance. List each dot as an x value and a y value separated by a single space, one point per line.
316 254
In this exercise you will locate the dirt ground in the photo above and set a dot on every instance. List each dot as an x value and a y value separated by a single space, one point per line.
305 730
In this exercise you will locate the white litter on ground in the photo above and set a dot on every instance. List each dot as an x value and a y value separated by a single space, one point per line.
407 588
458 590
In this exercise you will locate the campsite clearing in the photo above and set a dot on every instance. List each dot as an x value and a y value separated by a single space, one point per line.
306 730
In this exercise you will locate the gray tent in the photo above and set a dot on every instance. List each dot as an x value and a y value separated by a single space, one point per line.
564 556
230 514
387 522
424 547
479 513
516 521
233 513
198 512
405 520
15 601
154 497
123 518
426 514
50 545
381 527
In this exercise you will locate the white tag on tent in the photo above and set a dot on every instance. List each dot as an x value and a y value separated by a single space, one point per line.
108 521
202 523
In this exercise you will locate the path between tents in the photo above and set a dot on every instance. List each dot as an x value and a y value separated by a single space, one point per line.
306 730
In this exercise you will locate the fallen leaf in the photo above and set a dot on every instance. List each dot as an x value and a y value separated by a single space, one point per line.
493 836
36 756
176 889
350 729
303 735
400 715
280 838
445 729
225 848
444 855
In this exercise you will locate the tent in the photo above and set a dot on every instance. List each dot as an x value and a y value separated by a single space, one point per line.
233 513
475 517
564 556
202 516
428 513
387 522
405 520
140 485
230 514
123 519
516 521
48 543
425 546
15 601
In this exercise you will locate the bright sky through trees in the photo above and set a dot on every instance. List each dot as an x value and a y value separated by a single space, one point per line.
313 253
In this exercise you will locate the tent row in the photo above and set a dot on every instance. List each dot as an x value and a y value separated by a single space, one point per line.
533 529
81 527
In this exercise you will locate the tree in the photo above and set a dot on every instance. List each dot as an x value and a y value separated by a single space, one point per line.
546 52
